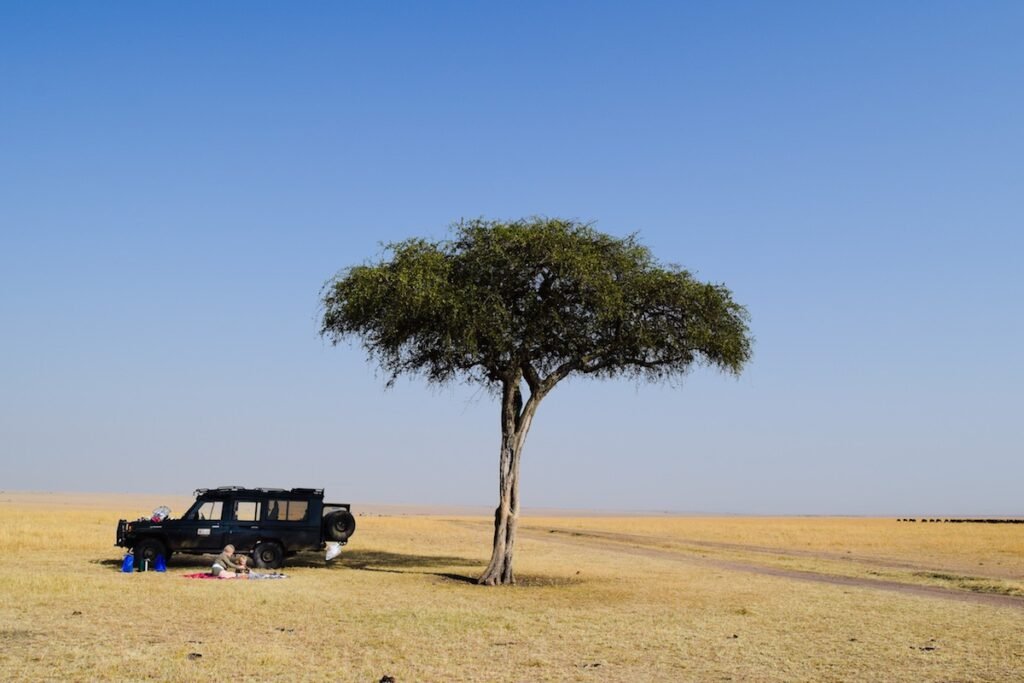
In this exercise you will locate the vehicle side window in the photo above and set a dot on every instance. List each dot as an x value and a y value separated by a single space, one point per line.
210 510
247 511
287 510
296 510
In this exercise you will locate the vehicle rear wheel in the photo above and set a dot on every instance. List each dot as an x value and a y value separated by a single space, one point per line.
269 555
147 550
339 525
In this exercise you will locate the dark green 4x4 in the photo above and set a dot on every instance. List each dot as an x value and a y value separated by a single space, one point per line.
269 524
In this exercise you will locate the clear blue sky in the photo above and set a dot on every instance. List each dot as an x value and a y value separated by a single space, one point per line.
178 180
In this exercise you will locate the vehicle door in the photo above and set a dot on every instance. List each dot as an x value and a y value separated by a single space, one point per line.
203 527
244 528
288 521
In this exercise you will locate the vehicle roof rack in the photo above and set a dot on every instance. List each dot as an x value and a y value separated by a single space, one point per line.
233 489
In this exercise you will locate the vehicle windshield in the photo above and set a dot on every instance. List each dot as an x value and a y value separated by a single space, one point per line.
205 510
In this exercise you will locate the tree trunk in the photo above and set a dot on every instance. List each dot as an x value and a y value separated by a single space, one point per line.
515 423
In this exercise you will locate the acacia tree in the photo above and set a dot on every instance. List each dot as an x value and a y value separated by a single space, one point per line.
520 306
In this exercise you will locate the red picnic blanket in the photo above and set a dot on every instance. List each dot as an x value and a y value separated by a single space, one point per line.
252 576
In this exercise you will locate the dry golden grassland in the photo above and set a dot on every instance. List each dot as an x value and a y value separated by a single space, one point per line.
598 599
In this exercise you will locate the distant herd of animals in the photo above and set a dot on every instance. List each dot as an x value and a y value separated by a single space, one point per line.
965 521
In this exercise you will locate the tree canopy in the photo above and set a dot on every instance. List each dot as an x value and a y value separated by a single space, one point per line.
547 297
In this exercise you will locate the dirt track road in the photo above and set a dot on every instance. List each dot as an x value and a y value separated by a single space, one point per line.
634 545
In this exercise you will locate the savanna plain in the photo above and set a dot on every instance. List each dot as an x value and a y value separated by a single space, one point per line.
598 598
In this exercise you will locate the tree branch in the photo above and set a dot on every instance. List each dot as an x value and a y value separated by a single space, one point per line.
589 368
558 374
532 378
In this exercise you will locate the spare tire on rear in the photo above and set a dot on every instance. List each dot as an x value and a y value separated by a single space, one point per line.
339 525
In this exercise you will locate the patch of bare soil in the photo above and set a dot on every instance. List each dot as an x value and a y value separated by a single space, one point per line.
881 562
614 542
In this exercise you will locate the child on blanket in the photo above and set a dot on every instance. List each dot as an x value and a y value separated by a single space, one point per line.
226 568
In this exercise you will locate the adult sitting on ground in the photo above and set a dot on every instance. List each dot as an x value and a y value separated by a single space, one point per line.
224 567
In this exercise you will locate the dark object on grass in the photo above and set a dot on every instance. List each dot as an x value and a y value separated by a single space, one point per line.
1012 520
387 679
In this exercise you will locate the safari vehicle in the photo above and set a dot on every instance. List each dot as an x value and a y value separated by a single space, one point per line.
269 524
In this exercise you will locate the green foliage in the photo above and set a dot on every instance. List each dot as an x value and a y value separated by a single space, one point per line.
535 299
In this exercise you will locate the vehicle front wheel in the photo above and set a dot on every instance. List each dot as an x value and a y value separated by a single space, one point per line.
269 555
147 550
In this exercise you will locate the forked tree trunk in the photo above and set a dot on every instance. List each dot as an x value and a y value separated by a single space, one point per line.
515 423
506 517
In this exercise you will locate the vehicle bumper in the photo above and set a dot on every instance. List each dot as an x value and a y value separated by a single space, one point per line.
122 534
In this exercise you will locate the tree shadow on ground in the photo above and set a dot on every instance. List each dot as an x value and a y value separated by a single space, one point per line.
397 563
362 560
458 578
304 560
176 562
379 561
402 563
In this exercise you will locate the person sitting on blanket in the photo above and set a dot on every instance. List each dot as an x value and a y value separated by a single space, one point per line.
226 568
